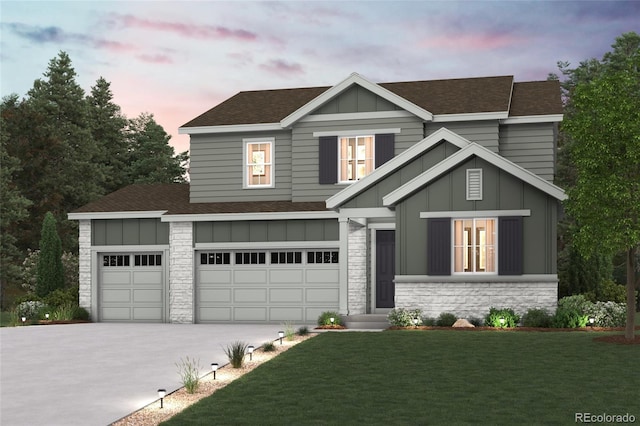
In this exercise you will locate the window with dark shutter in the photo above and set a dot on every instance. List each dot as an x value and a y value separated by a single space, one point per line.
385 147
439 246
510 243
328 156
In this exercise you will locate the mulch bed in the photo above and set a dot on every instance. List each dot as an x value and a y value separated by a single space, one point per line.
331 327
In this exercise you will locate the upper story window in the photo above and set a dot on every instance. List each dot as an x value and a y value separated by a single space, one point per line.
356 157
258 163
474 246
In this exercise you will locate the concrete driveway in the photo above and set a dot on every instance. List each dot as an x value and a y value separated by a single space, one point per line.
95 374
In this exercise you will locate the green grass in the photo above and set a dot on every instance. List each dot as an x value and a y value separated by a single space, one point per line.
430 377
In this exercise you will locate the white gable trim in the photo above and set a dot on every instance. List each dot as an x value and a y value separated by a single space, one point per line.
395 163
116 215
476 116
346 83
474 213
262 127
452 161
356 132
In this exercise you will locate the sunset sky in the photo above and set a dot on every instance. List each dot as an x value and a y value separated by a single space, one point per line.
177 59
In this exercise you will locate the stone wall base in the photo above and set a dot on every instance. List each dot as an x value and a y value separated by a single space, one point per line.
469 300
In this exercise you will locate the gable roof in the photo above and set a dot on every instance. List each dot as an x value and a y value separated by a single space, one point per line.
395 163
473 149
423 98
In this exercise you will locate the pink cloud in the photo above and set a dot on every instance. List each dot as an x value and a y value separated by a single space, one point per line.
156 59
467 42
279 66
185 30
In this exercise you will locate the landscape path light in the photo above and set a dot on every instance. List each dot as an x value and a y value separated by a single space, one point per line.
332 319
592 320
250 350
214 368
161 394
24 319
280 335
415 322
501 321
46 316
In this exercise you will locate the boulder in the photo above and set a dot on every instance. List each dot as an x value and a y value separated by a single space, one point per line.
462 323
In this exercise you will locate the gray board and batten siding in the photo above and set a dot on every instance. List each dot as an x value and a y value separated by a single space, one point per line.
266 231
124 232
502 191
356 99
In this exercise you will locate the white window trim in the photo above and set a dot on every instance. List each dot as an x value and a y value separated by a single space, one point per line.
341 181
453 245
249 141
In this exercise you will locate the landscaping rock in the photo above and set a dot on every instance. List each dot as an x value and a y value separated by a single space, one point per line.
462 323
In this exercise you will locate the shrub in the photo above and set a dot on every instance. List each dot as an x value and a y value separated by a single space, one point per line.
268 347
188 369
568 317
325 318
50 272
289 331
608 314
62 296
303 331
64 312
235 352
446 319
80 313
428 321
578 303
476 321
492 319
536 318
401 317
609 290
29 309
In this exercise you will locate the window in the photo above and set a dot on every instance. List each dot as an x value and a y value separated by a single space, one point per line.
116 260
322 257
474 245
283 257
258 163
222 258
251 258
147 260
356 157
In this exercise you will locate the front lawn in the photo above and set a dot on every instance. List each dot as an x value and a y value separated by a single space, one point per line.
431 377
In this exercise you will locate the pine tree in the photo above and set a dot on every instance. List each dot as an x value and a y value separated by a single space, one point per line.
50 272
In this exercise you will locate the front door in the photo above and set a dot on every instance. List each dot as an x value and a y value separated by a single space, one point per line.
385 268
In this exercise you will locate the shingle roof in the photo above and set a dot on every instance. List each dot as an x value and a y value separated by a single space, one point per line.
174 198
453 96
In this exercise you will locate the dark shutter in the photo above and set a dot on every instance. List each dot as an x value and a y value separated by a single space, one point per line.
439 246
510 245
385 146
328 157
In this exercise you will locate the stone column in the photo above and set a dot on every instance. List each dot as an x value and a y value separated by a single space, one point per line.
84 263
181 284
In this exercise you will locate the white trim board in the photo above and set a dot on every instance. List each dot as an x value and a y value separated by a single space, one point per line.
467 278
117 215
269 245
229 128
474 213
356 132
216 217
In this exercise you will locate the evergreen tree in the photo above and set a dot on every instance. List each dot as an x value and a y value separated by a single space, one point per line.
50 272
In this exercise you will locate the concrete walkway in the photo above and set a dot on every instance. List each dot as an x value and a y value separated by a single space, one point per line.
95 374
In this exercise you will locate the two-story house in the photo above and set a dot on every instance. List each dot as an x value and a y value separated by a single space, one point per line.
356 198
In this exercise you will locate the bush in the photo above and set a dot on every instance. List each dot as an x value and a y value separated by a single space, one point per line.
62 296
568 317
401 317
303 331
268 347
428 321
235 352
608 314
446 319
612 291
578 303
325 318
29 309
189 369
49 270
80 313
536 318
64 312
289 331
476 321
492 319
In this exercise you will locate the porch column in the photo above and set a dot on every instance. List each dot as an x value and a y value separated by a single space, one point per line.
181 272
343 261
84 265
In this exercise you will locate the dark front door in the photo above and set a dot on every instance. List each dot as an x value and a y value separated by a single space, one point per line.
385 268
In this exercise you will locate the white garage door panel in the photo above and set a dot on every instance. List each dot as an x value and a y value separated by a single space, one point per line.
131 289
248 295
116 277
147 296
250 314
322 295
219 276
250 277
285 295
280 276
286 314
215 314
116 296
322 275
215 295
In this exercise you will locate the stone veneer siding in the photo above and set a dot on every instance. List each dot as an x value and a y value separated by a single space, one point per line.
357 268
474 299
181 272
84 261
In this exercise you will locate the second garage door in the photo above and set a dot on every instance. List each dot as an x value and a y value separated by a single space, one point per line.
266 285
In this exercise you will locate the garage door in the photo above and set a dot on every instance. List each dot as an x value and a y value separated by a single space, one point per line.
131 287
266 286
